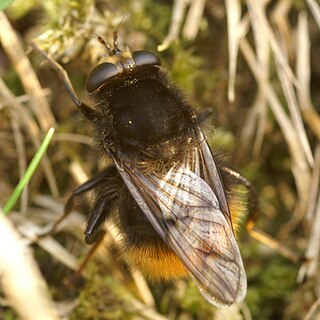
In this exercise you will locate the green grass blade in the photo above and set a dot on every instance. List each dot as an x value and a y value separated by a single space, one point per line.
29 172
5 3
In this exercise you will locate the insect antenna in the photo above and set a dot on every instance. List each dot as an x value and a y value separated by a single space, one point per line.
102 41
116 49
111 51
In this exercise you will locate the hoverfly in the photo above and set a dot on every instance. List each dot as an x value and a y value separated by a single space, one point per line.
164 188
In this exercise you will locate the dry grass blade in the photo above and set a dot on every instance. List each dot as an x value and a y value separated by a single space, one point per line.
233 16
248 131
72 137
143 287
313 250
193 19
245 311
25 98
279 16
66 307
289 128
178 13
287 84
303 61
288 89
32 128
291 99
314 187
309 268
315 10
233 312
31 231
29 123
301 172
313 119
22 157
263 59
303 75
257 12
25 178
313 314
78 173
72 223
275 245
13 47
21 279
145 311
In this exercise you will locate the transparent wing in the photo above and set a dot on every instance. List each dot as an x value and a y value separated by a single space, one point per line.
192 217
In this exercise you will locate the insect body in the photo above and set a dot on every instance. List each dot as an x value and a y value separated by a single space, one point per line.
164 189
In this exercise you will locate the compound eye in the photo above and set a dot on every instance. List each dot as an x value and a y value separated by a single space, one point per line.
100 74
144 58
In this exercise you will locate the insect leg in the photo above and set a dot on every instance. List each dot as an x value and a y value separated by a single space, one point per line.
253 217
89 112
252 196
110 191
93 249
87 186
101 211
203 115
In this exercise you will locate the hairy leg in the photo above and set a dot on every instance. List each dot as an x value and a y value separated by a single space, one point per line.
89 112
253 217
